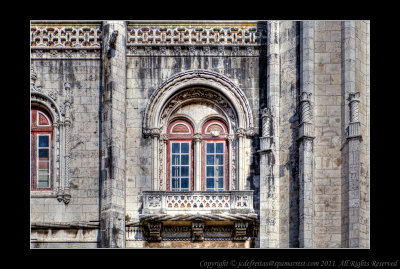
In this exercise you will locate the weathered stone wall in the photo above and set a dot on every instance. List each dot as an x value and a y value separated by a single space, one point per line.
328 125
288 134
84 77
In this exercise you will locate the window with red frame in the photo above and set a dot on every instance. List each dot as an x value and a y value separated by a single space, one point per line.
214 156
180 156
41 149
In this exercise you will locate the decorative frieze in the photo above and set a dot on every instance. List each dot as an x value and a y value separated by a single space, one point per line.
196 40
65 41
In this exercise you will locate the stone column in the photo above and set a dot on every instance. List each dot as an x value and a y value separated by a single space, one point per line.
163 166
306 136
269 200
240 134
67 129
155 134
197 161
113 131
269 146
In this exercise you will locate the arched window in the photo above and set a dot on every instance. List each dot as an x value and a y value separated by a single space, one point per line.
215 156
41 149
180 156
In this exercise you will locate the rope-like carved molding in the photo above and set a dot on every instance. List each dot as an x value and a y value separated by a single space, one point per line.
65 225
199 217
66 41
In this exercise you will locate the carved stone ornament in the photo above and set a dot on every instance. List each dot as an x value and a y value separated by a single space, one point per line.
240 231
197 137
154 231
197 231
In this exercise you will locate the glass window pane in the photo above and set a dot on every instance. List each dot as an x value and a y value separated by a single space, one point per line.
43 153
220 171
175 160
219 148
175 147
220 183
185 159
210 159
175 170
210 148
43 141
219 159
43 165
185 148
184 171
210 183
44 184
174 183
210 171
185 183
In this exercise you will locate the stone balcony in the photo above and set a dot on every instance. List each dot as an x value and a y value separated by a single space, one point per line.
206 205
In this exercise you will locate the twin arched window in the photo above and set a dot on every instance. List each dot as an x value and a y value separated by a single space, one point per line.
41 149
213 155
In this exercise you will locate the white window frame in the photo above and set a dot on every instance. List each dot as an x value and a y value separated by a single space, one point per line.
189 165
37 160
224 165
183 123
37 119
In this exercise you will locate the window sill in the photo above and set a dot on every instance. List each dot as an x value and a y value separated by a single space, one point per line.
43 194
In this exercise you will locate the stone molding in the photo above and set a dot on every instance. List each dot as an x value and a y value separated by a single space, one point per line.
219 84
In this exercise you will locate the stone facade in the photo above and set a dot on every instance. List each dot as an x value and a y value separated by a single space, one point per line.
294 97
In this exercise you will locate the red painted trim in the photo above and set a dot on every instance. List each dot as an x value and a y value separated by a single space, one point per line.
180 138
209 138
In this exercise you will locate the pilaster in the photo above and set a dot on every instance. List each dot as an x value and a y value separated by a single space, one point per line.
306 135
113 114
352 135
269 145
